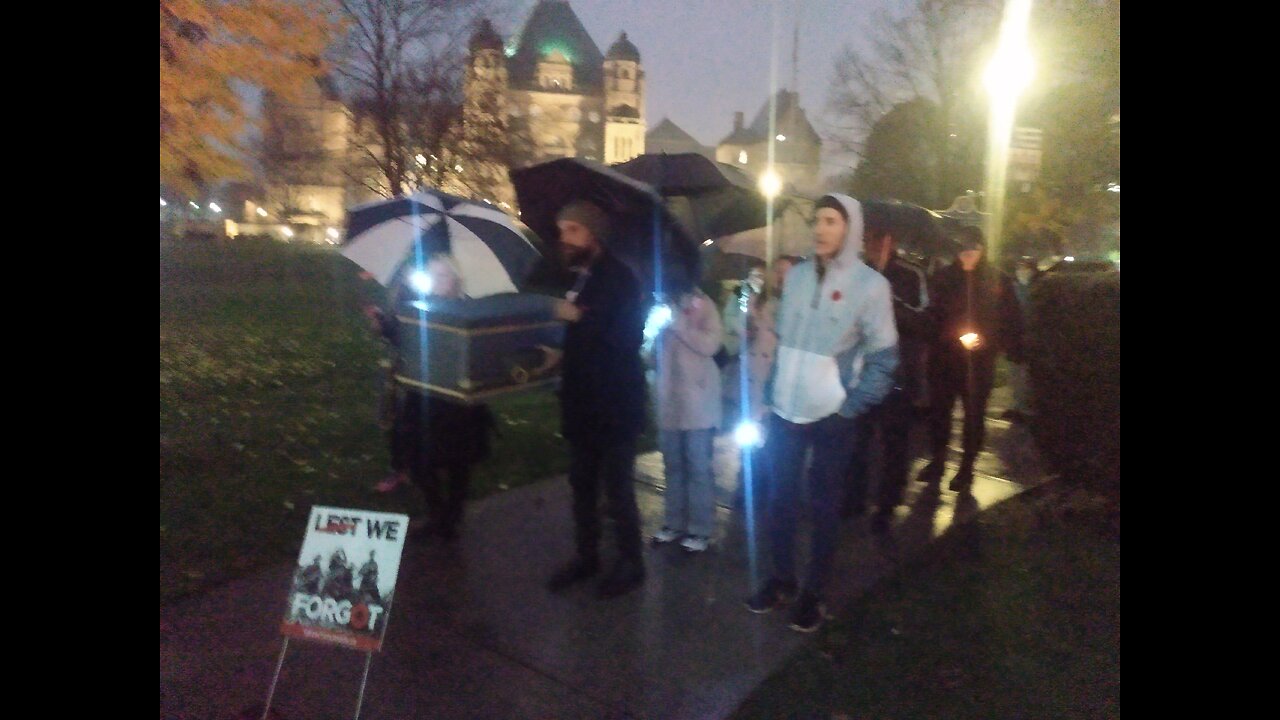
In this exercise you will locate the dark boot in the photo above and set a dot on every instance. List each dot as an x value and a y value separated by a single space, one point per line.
575 571
626 575
932 473
963 479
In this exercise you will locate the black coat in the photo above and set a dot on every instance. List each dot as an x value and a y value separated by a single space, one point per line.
915 324
981 301
602 390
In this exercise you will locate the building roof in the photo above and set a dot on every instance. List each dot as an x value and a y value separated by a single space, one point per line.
553 26
623 49
667 130
791 122
485 37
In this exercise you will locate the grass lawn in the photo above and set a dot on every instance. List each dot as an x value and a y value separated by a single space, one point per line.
269 390
1015 615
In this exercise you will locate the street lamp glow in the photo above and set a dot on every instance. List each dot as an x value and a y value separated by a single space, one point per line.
162 202
419 280
708 241
332 233
1006 76
422 160
192 204
457 168
262 212
970 340
286 232
780 137
215 207
747 434
1070 258
1010 70
770 184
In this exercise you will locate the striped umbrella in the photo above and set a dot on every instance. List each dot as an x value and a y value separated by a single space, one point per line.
391 237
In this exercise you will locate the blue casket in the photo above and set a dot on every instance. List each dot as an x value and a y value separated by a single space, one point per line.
473 350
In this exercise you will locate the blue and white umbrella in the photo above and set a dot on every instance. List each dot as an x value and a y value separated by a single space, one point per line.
390 237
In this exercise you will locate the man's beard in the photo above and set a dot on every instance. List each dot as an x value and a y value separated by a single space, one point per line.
575 256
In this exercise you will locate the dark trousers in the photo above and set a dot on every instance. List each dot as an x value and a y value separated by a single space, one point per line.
892 418
433 451
445 489
611 464
832 442
969 377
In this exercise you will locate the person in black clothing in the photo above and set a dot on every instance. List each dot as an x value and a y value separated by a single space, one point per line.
894 415
602 399
435 439
977 317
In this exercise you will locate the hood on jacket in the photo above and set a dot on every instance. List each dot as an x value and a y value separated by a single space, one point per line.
851 251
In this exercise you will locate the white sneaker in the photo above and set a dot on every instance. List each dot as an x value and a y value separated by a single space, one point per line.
666 535
695 543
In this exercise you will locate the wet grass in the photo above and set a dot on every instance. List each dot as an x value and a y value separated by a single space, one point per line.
1014 615
270 382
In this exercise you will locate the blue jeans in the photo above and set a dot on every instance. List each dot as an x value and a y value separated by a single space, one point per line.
832 441
690 498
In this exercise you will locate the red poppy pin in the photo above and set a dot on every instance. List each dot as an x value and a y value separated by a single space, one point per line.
836 296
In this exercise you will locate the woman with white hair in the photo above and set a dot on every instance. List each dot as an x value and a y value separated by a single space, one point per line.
434 440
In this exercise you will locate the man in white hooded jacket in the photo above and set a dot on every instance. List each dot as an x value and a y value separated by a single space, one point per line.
837 353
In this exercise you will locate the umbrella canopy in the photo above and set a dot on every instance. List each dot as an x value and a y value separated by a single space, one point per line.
643 233
711 199
388 238
917 230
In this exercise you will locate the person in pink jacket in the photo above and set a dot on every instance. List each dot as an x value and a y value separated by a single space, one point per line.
689 411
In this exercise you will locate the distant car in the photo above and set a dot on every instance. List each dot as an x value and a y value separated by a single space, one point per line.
1082 265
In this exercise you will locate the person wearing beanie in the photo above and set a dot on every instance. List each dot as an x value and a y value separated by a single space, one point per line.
891 419
836 357
977 317
602 399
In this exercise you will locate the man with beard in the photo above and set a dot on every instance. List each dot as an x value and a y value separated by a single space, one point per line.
602 399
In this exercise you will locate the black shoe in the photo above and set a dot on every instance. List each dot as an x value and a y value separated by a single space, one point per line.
932 473
575 571
810 614
774 594
963 479
625 576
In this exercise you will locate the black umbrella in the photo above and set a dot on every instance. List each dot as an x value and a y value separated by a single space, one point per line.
643 232
918 231
711 199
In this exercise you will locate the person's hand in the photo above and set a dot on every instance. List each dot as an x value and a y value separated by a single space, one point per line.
551 357
567 311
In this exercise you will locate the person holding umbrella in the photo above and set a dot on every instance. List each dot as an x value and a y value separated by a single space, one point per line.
438 440
602 399
893 417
